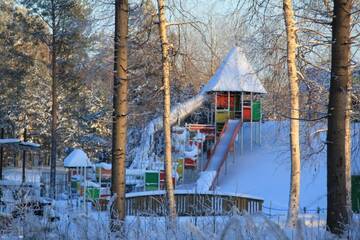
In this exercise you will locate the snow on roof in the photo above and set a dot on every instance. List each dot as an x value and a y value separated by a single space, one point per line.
77 158
191 152
103 165
9 140
180 191
30 144
235 74
18 141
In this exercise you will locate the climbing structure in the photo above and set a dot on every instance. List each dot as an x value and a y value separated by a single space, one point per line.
235 95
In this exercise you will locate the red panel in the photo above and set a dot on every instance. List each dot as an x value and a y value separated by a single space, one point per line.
189 163
162 184
247 113
162 176
222 101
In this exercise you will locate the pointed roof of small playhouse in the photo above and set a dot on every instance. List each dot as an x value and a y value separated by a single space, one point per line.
77 158
235 74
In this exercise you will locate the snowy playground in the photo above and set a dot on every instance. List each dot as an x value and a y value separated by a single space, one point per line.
235 159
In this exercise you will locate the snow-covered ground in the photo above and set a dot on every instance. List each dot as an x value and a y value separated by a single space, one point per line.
265 172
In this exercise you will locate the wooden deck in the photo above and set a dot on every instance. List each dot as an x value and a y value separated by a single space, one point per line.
190 204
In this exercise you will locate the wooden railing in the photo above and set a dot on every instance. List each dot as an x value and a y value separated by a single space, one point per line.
190 204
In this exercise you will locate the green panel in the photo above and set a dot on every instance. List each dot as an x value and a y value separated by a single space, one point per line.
256 111
237 102
93 193
74 184
222 117
355 193
219 127
152 177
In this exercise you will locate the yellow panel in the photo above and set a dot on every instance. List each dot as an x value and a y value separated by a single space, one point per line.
222 116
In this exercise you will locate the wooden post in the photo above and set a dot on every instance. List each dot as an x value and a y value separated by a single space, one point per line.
242 120
24 159
229 109
215 116
251 137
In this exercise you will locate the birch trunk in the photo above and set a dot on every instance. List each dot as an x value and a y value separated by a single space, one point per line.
338 136
166 116
120 110
294 114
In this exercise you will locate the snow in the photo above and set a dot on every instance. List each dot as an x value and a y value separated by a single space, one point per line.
18 141
30 144
143 156
15 183
235 74
90 184
135 172
77 158
200 136
191 153
15 175
103 165
265 172
198 191
179 137
206 178
9 140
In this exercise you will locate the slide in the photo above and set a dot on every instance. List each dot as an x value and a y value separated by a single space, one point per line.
223 145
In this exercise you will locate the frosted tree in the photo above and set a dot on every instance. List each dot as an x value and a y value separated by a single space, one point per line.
165 46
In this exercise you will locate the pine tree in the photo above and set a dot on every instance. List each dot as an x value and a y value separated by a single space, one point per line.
339 111
120 111
62 20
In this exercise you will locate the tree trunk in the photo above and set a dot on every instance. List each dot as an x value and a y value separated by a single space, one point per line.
166 116
120 111
294 115
54 106
1 154
338 136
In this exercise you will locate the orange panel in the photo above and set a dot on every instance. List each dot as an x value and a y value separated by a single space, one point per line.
222 101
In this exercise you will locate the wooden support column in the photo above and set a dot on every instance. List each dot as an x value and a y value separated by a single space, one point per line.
215 120
251 122
24 159
229 109
242 120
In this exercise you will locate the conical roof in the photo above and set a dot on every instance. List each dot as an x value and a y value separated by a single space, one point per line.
235 74
77 158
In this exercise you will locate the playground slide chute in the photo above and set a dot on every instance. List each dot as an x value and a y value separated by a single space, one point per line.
213 167
145 149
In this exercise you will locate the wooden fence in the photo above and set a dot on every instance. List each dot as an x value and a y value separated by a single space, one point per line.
190 204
